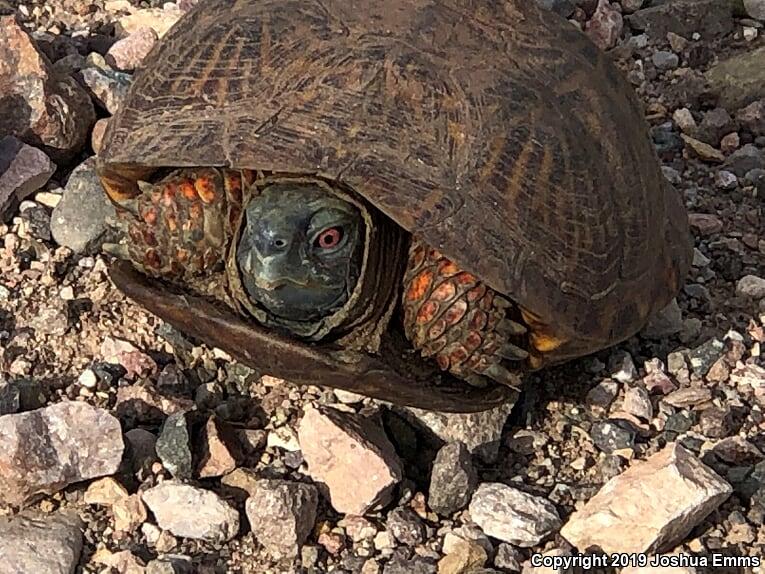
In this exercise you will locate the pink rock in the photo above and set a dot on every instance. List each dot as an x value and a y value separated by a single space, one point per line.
650 507
37 106
219 452
43 451
128 53
705 223
752 117
23 170
97 136
659 383
337 446
605 26
134 361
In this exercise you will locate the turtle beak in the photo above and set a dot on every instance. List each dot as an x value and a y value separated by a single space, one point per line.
266 274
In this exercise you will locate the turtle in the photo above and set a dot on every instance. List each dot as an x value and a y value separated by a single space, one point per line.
421 201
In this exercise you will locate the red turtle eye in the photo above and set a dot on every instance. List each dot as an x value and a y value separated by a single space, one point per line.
330 238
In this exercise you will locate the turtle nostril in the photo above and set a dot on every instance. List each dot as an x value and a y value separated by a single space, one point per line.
280 243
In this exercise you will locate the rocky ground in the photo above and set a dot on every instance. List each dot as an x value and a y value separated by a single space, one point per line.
126 447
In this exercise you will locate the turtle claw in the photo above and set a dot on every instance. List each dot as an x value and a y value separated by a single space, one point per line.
475 380
512 353
511 328
503 376
118 250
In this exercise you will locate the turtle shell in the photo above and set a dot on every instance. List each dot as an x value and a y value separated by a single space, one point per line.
493 130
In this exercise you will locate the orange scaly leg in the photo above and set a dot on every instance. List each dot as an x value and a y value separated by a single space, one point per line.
451 316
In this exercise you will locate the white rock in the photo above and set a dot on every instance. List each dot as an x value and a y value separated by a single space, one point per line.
282 515
751 286
684 120
192 512
512 515
88 379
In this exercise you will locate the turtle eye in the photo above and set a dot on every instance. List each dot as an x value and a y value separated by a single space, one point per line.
329 238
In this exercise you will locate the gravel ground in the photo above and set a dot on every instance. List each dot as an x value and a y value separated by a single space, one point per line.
216 469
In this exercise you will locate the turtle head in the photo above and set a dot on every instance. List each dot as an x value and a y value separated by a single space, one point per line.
300 251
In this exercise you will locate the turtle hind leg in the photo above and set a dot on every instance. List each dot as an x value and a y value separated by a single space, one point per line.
467 328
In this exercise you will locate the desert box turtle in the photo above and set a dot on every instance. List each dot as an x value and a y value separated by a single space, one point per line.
416 200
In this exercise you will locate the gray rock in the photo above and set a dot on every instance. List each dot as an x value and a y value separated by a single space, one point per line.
704 356
512 515
612 435
756 178
752 117
10 398
740 79
751 286
80 218
107 87
30 394
480 432
665 60
725 180
414 565
678 423
192 512
23 170
282 515
603 394
170 564
745 159
406 526
715 124
45 450
671 174
35 220
710 18
755 9
508 558
665 323
142 447
561 7
174 446
40 544
622 367
452 480
676 363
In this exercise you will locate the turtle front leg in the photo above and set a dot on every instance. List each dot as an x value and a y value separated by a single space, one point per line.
177 227
453 317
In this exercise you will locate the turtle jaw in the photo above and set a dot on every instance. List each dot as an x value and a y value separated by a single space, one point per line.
286 289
